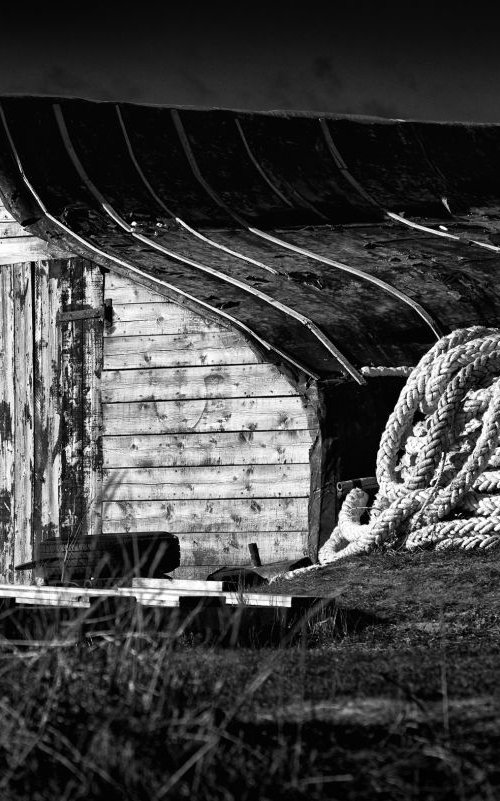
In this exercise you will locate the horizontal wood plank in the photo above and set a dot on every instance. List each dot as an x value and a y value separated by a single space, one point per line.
231 448
232 381
152 319
171 350
120 290
211 414
20 249
180 517
9 228
231 548
181 483
5 216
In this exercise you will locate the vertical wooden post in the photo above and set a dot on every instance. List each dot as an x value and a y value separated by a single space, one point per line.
81 363
23 416
6 422
71 506
92 415
46 404
322 498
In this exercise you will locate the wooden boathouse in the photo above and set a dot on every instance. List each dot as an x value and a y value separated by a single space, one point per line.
206 316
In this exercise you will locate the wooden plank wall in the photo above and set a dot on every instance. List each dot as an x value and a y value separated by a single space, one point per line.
200 437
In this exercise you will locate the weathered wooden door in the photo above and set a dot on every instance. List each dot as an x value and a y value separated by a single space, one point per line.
50 362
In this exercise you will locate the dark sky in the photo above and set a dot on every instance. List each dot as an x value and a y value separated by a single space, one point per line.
402 60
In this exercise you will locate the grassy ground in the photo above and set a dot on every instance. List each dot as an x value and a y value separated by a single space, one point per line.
399 700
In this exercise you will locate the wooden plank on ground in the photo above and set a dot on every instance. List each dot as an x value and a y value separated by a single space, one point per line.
221 448
215 347
179 517
181 483
7 422
230 381
211 414
176 584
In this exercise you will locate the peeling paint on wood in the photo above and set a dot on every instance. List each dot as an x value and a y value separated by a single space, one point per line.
81 363
47 402
6 423
23 416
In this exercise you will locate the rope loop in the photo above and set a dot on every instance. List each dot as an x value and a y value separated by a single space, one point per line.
438 458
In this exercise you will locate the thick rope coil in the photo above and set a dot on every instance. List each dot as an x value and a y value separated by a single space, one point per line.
438 457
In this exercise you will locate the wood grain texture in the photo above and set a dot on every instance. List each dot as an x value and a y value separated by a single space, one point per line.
160 318
212 414
19 249
232 381
23 417
182 483
200 435
178 517
92 332
231 548
123 290
47 405
219 448
5 216
81 285
9 228
206 348
7 423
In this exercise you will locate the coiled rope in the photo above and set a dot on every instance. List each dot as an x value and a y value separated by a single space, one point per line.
439 457
438 463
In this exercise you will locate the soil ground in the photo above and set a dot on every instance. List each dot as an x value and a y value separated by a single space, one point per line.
396 696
